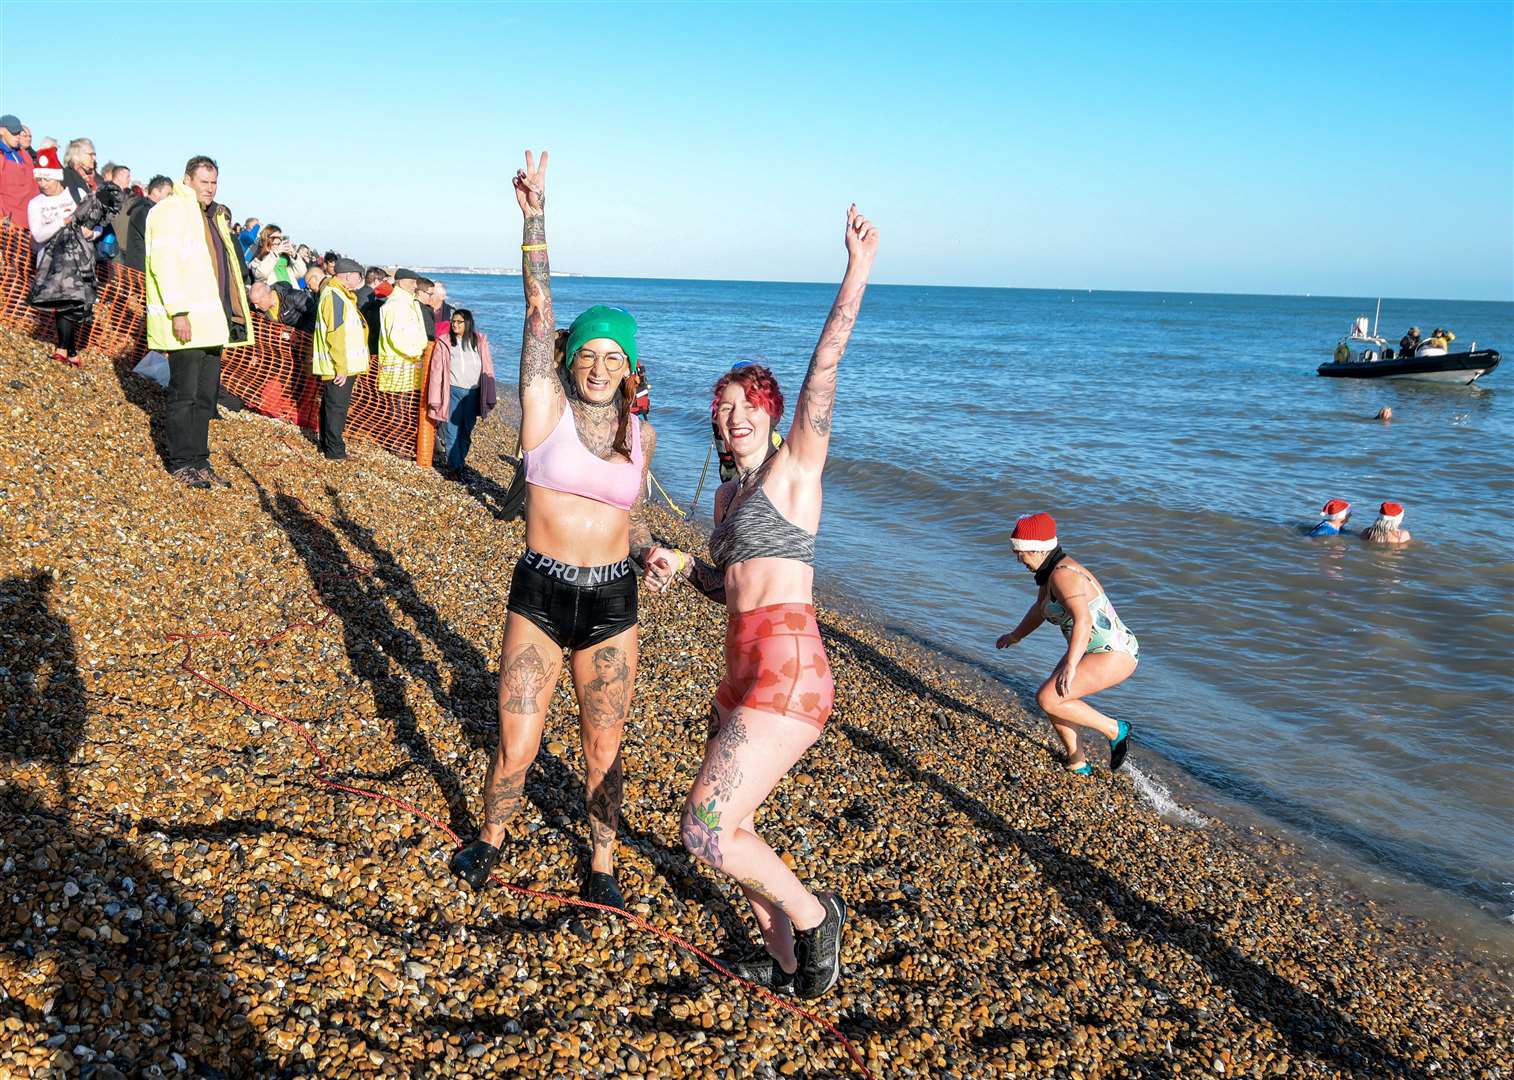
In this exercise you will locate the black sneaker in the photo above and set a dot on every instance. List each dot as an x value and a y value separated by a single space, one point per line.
758 966
191 478
819 950
213 478
475 862
602 889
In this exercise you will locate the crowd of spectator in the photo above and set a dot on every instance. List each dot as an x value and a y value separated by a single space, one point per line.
204 273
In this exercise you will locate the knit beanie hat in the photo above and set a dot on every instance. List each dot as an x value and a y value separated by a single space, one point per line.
601 321
1038 532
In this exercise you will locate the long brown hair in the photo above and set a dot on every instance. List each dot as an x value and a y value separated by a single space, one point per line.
629 385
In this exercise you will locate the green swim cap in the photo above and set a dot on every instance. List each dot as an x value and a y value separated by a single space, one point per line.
602 321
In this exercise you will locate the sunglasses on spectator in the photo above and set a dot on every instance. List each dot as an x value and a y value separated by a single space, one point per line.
586 358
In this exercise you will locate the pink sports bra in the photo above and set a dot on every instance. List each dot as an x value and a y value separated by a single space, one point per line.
561 462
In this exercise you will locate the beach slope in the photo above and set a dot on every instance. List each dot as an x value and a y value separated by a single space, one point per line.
182 891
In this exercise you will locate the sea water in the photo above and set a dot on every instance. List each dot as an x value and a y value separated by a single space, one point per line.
1183 442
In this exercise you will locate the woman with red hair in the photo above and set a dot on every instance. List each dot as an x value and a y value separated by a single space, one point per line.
777 692
1101 650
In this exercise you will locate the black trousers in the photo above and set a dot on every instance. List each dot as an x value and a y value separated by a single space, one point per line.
194 375
72 324
335 401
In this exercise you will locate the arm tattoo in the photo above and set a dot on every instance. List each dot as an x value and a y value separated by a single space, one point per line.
540 329
817 396
603 802
605 699
706 578
503 794
521 682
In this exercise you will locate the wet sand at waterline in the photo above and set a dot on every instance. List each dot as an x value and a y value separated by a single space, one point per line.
180 890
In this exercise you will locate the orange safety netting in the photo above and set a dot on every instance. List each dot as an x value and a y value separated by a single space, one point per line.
271 376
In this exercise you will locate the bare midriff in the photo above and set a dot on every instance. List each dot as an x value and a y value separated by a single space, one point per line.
758 583
576 530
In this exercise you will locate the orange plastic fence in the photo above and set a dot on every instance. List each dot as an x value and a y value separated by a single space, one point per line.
272 376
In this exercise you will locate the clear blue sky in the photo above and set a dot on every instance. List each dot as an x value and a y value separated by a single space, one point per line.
1335 149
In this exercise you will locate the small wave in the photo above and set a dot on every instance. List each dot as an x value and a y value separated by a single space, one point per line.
1159 797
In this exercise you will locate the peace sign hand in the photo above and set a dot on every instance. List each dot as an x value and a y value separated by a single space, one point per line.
861 235
531 186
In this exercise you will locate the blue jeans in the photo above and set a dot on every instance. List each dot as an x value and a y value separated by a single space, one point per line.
456 432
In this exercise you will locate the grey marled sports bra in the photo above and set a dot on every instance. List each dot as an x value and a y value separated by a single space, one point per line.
756 530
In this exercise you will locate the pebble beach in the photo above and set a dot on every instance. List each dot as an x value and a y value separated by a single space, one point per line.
184 896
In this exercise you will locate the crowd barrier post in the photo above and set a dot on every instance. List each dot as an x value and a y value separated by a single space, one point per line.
425 430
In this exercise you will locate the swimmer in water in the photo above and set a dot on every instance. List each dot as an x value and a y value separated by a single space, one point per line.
1386 530
1101 651
776 696
1333 516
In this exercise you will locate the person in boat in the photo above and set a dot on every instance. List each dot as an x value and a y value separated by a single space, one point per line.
776 696
1408 343
1440 340
1387 529
1101 651
1333 518
586 461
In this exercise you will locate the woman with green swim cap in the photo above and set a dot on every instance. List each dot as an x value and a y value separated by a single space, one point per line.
585 458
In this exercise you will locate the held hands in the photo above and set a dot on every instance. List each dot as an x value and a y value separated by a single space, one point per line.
531 186
861 236
662 566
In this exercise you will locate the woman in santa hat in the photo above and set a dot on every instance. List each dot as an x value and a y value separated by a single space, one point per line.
1386 529
1101 651
1333 517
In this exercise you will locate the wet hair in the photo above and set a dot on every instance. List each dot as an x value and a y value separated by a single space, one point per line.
157 183
629 385
470 330
760 386
198 162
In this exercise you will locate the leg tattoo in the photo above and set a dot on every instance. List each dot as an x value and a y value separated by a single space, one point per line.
701 832
503 794
605 699
724 772
604 806
522 681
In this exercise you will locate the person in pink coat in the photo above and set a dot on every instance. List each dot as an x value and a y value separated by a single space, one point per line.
459 389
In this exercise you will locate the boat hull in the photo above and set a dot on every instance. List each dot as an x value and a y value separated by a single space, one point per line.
1460 368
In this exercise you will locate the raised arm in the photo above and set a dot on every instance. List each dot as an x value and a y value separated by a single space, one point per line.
810 436
541 392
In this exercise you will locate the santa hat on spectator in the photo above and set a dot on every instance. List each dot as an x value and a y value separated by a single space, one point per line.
1335 509
48 166
1038 532
1392 514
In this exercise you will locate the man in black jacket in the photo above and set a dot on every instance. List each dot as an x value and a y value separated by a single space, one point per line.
134 241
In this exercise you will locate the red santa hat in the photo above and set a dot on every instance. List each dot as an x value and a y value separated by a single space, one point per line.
1335 508
1392 513
1038 532
48 166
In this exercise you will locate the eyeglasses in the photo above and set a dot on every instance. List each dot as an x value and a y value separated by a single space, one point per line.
586 358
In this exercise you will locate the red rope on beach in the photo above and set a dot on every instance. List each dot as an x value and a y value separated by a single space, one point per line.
322 775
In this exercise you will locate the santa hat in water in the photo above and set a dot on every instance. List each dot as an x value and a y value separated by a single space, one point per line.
1335 509
1392 514
1038 532
48 166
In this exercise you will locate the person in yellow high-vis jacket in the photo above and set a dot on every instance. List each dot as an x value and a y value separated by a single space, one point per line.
339 352
402 337
196 306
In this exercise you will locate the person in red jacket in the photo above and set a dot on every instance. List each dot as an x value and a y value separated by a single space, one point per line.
18 187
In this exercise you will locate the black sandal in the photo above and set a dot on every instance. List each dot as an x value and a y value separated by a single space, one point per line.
602 889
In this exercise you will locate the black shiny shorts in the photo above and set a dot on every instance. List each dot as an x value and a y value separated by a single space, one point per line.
576 606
